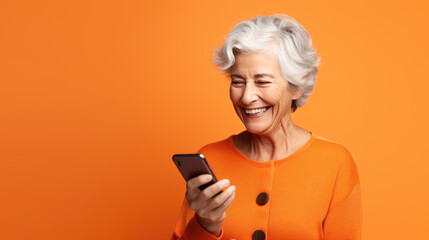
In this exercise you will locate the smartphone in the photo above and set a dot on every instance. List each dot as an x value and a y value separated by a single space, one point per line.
193 165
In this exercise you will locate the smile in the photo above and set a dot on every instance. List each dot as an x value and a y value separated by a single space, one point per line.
255 111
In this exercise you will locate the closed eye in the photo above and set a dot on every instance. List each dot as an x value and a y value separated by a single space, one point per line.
236 82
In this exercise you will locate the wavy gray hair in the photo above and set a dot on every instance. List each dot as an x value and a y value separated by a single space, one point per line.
297 57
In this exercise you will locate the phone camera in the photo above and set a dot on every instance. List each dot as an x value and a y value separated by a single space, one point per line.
178 163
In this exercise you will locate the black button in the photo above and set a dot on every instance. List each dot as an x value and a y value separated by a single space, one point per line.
262 199
258 235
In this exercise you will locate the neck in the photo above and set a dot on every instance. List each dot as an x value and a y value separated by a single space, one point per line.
273 144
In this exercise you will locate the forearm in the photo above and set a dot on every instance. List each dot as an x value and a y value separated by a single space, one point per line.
194 230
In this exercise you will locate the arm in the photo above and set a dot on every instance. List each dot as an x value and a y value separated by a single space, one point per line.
188 227
344 221
203 212
344 217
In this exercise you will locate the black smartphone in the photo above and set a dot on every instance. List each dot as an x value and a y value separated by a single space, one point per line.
193 165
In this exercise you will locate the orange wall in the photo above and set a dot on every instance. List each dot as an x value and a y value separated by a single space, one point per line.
96 96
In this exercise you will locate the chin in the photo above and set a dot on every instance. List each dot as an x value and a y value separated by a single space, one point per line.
258 130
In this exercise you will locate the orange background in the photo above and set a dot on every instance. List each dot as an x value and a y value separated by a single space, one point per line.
96 96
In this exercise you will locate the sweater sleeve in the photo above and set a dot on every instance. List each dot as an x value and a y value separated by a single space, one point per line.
344 217
188 227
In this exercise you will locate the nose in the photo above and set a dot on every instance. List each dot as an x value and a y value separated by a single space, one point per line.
249 95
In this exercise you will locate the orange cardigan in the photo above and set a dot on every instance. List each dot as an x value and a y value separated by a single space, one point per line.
312 194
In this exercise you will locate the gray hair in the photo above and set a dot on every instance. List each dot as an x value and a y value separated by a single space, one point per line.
296 56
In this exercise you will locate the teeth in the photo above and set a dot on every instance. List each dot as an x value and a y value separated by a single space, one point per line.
255 111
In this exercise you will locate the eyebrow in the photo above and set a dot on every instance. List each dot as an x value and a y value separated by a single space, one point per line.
259 75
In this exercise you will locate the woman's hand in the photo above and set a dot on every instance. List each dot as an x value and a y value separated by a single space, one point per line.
208 205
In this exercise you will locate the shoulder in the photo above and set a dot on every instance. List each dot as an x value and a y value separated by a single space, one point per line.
336 155
345 174
333 150
340 157
218 154
217 146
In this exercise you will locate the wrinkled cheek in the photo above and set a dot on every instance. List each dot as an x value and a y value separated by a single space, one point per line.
282 105
235 95
232 96
281 110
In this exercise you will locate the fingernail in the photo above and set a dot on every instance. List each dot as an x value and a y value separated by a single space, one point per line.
226 182
208 178
232 188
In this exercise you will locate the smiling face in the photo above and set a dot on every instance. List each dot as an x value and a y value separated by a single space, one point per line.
259 93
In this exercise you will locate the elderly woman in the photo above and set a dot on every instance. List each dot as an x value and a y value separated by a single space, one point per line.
279 181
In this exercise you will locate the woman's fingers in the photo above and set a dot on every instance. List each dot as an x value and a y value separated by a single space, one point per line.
208 210
210 203
217 214
213 189
221 209
193 184
221 198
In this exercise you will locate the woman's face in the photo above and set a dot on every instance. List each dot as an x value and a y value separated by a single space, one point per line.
259 93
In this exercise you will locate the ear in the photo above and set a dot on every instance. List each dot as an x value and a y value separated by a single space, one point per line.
298 93
300 90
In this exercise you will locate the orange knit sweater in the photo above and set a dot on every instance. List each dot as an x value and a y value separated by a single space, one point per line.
313 194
